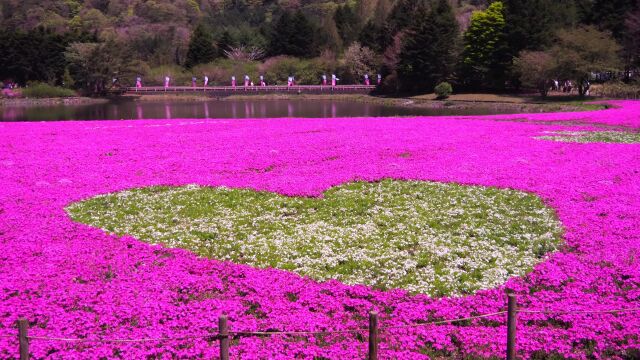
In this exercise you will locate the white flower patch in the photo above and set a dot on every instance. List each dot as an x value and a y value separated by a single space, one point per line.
439 239
622 137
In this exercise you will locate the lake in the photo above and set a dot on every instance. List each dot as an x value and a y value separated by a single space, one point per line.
128 109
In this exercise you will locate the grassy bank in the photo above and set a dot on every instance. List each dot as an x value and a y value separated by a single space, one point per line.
26 102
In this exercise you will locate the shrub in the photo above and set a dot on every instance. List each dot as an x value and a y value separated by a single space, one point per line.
443 90
155 76
306 72
221 70
617 89
41 90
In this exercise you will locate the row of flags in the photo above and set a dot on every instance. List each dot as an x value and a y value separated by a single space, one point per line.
291 81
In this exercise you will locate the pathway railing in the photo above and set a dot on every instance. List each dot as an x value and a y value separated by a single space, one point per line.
224 335
253 89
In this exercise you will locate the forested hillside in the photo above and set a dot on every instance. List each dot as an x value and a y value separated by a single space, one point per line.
53 40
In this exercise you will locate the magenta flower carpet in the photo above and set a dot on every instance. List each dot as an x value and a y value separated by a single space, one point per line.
72 281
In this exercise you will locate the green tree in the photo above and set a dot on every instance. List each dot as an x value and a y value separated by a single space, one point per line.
429 50
610 15
632 40
292 35
94 65
536 69
529 24
36 55
403 14
225 43
484 60
582 51
360 60
201 49
347 23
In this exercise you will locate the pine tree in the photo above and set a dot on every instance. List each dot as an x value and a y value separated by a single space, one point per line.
484 60
403 13
529 24
381 13
201 49
610 15
293 35
225 43
428 54
632 40
348 24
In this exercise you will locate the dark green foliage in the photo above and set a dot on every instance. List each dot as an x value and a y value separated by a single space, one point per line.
94 65
632 40
33 56
41 90
428 54
347 23
376 37
403 14
529 24
201 49
610 15
293 35
225 43
443 90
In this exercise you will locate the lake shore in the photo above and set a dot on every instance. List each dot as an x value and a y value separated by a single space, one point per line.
28 102
491 102
515 104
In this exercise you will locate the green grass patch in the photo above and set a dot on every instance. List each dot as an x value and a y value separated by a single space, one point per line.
439 239
41 90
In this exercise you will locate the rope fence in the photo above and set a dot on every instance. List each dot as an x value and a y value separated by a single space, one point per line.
224 335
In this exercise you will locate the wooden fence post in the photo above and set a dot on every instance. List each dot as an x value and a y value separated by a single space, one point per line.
23 339
373 335
512 321
223 333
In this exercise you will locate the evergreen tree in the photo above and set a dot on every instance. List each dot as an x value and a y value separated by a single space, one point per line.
93 65
428 54
632 40
529 24
201 49
225 43
37 55
610 15
484 60
403 14
293 35
374 36
347 23
381 13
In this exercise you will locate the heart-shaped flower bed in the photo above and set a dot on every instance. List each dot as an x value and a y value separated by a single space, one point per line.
439 239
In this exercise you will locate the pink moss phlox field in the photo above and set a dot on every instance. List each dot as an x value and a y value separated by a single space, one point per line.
74 281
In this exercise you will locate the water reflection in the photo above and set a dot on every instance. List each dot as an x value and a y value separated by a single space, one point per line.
139 112
238 109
